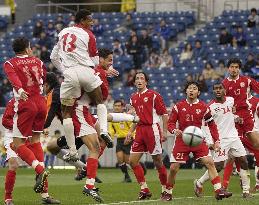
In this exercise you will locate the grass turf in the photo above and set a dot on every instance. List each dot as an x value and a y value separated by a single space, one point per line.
63 187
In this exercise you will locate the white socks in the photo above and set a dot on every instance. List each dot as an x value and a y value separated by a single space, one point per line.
121 117
205 177
69 134
245 178
102 116
78 164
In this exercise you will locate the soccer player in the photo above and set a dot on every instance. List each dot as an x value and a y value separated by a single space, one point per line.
238 87
27 74
192 112
76 54
149 106
12 159
120 130
230 144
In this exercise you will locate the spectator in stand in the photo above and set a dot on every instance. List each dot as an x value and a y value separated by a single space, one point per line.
240 36
97 28
202 82
50 31
163 31
198 51
126 25
6 86
132 34
187 52
71 20
60 20
221 69
154 60
146 41
250 63
117 48
58 27
209 73
38 29
44 41
135 49
166 60
234 43
52 68
225 38
189 78
253 18
35 51
45 54
130 77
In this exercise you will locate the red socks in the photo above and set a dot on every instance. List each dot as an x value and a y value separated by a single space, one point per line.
9 183
92 166
139 173
216 183
162 175
101 151
28 156
37 150
227 173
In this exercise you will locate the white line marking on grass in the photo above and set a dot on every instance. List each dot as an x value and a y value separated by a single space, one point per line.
176 198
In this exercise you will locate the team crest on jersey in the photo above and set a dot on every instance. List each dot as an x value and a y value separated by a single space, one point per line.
184 109
198 111
145 99
242 84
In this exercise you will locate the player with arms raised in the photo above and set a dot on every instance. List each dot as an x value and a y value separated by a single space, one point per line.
76 55
148 105
192 112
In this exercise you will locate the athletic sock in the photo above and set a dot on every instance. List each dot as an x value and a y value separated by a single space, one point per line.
216 184
245 178
227 173
78 164
102 117
205 177
28 156
69 134
139 174
92 166
9 183
162 175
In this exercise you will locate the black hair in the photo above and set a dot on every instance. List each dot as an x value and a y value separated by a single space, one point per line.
196 41
118 101
82 15
253 10
236 61
51 80
104 52
141 72
20 44
57 132
217 83
192 83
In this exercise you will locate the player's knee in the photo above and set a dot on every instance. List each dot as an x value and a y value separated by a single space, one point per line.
133 163
219 166
243 162
209 163
13 164
174 167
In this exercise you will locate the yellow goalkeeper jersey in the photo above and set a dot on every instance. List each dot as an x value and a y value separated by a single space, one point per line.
119 129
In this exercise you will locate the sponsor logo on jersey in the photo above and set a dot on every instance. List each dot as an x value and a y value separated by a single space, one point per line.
145 99
184 109
242 84
198 111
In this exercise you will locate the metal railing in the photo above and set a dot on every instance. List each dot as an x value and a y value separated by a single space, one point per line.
238 4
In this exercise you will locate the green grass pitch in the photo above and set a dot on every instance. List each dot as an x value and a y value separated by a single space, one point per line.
63 187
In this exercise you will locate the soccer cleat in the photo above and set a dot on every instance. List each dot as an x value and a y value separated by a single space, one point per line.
127 179
93 193
71 156
8 202
198 191
222 193
166 196
82 174
40 181
108 140
247 196
50 200
144 195
97 180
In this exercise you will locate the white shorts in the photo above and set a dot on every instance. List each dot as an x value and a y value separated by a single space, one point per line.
8 139
233 148
77 79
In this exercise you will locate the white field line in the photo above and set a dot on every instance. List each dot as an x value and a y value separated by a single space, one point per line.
155 200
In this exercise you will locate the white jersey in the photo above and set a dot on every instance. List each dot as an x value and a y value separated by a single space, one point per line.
224 118
76 46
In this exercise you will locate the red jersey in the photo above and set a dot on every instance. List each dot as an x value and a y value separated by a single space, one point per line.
187 114
103 76
239 90
27 73
7 120
148 106
254 101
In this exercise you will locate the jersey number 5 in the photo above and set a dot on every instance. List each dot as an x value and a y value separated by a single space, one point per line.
69 45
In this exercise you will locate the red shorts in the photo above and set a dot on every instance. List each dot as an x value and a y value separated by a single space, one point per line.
83 121
147 139
248 119
249 146
29 116
181 151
